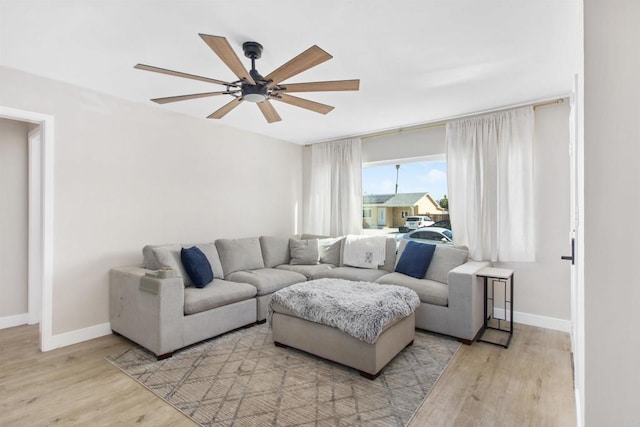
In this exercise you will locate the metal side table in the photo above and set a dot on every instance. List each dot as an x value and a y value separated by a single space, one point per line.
502 276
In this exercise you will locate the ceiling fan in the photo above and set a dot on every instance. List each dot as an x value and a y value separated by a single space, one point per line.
251 86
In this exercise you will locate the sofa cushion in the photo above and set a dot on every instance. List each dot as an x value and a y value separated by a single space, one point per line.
267 280
329 250
275 250
197 266
351 273
445 259
240 254
309 271
304 252
216 294
429 291
415 259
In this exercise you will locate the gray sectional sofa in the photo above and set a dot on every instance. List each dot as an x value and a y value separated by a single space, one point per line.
164 314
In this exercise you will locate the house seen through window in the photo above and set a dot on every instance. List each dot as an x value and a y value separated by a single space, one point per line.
403 196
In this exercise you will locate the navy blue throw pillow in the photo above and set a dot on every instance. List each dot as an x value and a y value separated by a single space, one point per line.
197 266
415 259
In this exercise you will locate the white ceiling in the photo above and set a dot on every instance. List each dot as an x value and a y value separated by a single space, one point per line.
418 61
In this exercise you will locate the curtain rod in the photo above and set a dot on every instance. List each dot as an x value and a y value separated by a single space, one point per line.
441 123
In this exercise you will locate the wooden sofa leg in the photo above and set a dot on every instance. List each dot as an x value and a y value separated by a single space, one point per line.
370 376
464 341
260 322
164 356
279 344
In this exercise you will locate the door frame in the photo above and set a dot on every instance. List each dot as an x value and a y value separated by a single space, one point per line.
40 270
34 281
577 233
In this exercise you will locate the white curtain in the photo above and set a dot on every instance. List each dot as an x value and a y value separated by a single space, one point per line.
335 199
490 185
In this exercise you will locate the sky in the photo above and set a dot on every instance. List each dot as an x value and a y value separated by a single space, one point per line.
416 177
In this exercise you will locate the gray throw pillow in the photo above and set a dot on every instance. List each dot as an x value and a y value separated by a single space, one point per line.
330 250
169 256
304 252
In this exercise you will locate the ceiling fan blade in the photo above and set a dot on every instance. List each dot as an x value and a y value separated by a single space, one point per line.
169 99
331 86
223 49
180 74
269 112
307 59
304 103
221 112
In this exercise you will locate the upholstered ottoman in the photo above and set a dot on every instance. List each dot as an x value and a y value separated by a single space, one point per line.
358 324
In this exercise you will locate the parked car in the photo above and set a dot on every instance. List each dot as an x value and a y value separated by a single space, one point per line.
415 222
433 235
445 223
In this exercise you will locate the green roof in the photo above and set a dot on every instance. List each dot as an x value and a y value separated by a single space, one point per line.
404 199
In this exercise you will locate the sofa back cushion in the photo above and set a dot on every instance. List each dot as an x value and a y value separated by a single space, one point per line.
275 250
240 254
445 258
159 256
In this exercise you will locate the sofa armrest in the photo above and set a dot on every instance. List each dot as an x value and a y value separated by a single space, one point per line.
148 311
466 299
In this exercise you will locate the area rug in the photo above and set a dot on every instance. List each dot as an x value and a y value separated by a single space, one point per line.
243 379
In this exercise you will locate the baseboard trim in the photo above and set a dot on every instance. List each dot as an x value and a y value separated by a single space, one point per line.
79 335
579 420
97 331
15 320
537 320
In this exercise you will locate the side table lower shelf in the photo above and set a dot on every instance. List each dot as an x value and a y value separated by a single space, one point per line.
502 276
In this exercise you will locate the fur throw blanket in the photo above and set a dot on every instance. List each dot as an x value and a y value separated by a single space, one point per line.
360 309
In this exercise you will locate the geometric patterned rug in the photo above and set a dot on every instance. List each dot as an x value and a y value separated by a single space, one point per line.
243 379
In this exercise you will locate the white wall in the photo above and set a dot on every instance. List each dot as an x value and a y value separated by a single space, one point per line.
13 218
129 174
612 210
542 289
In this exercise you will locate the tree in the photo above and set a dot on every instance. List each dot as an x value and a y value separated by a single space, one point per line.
444 203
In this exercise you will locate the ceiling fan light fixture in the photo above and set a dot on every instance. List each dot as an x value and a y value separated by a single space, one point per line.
254 93
254 97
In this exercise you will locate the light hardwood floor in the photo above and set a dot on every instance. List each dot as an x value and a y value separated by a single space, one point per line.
529 384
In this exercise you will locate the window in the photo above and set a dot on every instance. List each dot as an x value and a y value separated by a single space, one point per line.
404 190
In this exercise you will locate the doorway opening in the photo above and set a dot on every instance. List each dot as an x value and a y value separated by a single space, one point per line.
40 240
